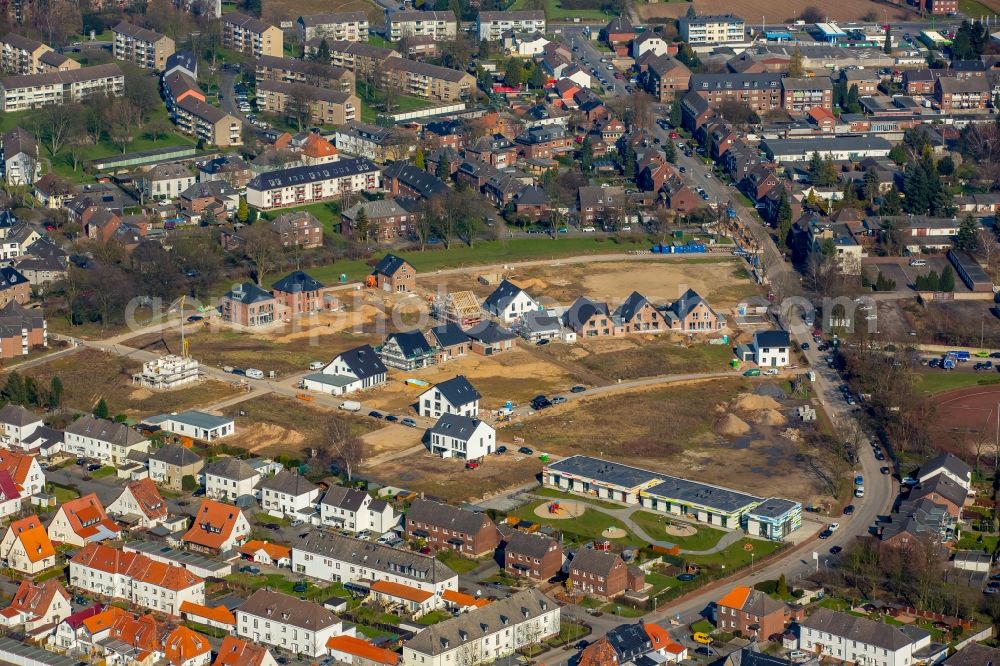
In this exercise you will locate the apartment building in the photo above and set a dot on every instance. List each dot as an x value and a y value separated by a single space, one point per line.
251 35
425 80
962 94
665 77
800 95
716 29
296 625
34 91
142 47
761 92
357 57
442 26
211 124
310 72
341 26
490 26
326 107
308 184
21 55
135 578
442 526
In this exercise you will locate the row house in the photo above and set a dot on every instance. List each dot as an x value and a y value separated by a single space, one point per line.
34 91
326 107
403 179
135 578
442 526
442 26
307 184
145 48
283 621
740 159
758 181
718 136
309 72
251 35
340 26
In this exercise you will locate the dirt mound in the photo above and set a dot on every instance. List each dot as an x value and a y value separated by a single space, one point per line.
791 434
749 402
576 353
771 417
140 394
731 425
530 283
266 435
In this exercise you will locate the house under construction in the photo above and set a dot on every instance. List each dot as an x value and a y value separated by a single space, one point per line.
460 307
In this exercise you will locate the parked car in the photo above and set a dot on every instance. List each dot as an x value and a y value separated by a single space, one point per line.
825 534
254 373
409 422
849 510
525 450
558 400
253 571
392 418
578 389
835 550
375 414
501 450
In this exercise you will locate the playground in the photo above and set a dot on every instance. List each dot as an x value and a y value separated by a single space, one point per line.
562 510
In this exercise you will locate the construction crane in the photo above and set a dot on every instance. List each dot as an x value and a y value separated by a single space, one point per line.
184 342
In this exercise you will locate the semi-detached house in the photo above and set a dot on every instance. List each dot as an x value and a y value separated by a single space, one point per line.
846 638
217 528
296 625
26 546
288 494
140 503
135 578
445 526
82 521
103 440
169 465
454 396
353 370
229 479
354 510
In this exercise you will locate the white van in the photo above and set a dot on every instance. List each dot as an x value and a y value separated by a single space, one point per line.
316 365
859 491
918 262
254 373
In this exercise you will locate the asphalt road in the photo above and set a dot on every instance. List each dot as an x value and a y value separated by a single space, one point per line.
589 58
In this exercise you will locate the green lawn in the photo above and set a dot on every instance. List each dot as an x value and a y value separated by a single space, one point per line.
103 472
974 9
654 524
380 41
976 541
623 610
939 381
659 582
456 562
834 603
702 626
373 633
568 632
555 12
736 556
64 494
433 617
485 252
279 583
590 525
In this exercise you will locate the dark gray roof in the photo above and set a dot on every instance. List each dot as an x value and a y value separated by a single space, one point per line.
363 361
449 517
773 507
248 293
182 59
174 454
413 344
455 426
17 415
331 18
449 334
975 654
400 562
540 321
823 145
583 309
607 471
598 562
531 545
288 610
505 292
943 485
632 304
342 497
749 656
629 641
297 282
309 174
489 332
695 492
19 140
771 338
458 391
531 196
103 430
230 468
389 264
734 81
288 483
477 623
10 277
946 461
424 183
858 629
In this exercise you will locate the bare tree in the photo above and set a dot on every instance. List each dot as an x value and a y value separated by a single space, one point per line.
55 124
343 446
261 247
986 242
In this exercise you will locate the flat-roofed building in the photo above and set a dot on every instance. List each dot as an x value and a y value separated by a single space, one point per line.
801 94
492 25
251 35
714 29
146 48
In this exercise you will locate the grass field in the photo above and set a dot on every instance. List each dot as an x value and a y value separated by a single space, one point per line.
940 381
654 524
589 525
555 12
975 9
658 357
456 562
736 555
90 375
485 252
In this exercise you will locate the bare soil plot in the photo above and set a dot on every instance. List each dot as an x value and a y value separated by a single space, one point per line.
274 425
89 375
848 10
390 439
720 280
964 418
639 356
517 375
448 480
716 431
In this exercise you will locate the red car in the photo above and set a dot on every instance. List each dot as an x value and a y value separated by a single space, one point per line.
674 135
472 464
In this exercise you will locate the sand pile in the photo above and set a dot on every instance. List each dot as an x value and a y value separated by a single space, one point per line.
732 426
140 394
771 417
749 402
531 283
264 435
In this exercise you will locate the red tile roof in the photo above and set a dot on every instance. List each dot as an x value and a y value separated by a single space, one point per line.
238 652
184 644
135 566
213 524
87 517
33 538
219 614
36 598
148 497
401 591
274 551
17 464
363 649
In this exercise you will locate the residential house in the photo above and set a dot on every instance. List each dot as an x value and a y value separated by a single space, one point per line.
229 479
942 489
750 612
759 181
359 57
407 350
312 73
106 441
299 293
24 468
20 158
26 547
601 574
649 42
496 150
208 123
217 528
497 629
445 526
81 521
867 80
344 559
539 325
247 304
140 504
264 552
509 302
351 650
22 55
801 94
638 315
387 220
489 338
251 35
534 556
300 626
186 647
666 77
355 511
395 275
339 26
298 229
353 370
451 340
543 142
962 94
919 82
14 288
950 465
455 436
491 26
325 106
134 578
169 465
36 606
845 637
288 494
591 319
166 181
677 196
420 79
618 33
238 652
601 205
233 169
17 424
404 179
772 349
